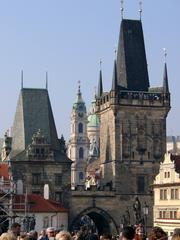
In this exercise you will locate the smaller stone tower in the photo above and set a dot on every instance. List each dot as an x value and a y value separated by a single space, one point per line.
78 146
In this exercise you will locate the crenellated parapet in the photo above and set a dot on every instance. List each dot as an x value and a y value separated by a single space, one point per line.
133 98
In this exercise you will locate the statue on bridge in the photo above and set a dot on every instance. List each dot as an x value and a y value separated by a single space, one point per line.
137 211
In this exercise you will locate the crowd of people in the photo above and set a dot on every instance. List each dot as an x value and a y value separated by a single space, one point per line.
127 233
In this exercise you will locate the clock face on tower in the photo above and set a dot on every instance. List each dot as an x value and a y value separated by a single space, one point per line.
80 115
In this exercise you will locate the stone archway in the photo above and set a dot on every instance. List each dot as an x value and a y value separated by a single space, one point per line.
103 221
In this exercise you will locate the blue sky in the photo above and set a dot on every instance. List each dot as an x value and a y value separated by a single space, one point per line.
67 38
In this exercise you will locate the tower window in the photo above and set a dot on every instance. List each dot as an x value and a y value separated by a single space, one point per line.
81 153
36 178
141 184
80 128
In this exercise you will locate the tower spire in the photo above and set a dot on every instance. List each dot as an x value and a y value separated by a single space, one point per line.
122 8
100 84
114 80
79 87
79 95
46 80
165 76
140 10
22 79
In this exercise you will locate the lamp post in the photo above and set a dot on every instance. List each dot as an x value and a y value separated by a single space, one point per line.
145 211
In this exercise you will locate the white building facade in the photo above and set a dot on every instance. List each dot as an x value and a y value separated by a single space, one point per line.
167 194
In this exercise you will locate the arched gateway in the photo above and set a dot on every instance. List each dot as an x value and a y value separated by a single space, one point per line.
102 220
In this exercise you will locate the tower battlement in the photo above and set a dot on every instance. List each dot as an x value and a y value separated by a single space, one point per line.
133 98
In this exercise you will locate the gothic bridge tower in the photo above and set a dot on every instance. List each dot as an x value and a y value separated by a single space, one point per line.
132 118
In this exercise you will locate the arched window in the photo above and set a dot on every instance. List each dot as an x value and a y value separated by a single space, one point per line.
81 153
80 128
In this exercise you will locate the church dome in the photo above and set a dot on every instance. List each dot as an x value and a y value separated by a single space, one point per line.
93 120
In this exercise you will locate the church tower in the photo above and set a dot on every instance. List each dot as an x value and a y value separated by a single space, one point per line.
132 118
78 146
93 131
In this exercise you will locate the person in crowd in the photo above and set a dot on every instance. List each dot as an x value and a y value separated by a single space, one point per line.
7 236
15 229
157 233
128 233
33 235
21 236
63 235
43 235
176 234
176 231
106 236
139 232
50 233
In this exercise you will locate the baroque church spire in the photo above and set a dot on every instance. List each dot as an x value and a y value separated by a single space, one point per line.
100 85
79 95
165 76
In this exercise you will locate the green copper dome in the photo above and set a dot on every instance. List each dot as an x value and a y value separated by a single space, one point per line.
93 120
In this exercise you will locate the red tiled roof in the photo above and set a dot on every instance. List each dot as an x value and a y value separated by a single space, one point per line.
36 203
4 171
176 159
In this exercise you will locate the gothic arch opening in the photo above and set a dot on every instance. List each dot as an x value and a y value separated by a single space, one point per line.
101 222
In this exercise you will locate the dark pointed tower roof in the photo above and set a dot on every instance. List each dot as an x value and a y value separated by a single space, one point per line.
165 79
33 112
100 84
115 79
131 59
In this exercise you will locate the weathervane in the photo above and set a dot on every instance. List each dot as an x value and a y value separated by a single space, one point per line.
140 9
165 54
122 8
